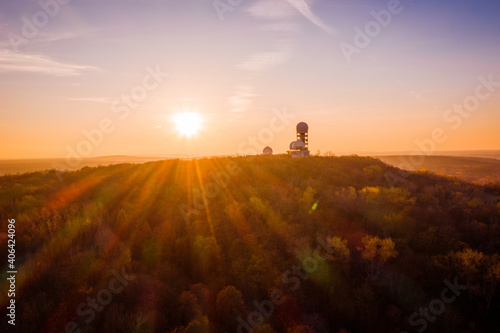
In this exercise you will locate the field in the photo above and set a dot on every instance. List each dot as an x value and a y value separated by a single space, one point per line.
472 169
269 244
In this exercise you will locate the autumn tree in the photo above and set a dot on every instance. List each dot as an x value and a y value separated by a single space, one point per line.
479 271
264 329
198 325
340 254
492 278
377 252
189 306
229 306
301 329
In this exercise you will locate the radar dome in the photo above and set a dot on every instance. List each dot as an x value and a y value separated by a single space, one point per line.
302 127
267 151
291 144
299 144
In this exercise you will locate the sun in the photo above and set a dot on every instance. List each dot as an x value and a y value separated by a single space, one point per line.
187 123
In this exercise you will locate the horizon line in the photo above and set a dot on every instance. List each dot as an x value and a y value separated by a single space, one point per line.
339 153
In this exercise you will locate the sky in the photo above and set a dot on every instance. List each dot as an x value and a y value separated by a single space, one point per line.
108 77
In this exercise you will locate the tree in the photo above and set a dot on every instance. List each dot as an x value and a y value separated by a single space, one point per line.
373 172
189 306
229 305
492 278
341 255
198 325
378 251
264 329
301 329
468 263
480 272
307 197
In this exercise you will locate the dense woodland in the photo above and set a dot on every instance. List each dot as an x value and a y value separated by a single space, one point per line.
321 244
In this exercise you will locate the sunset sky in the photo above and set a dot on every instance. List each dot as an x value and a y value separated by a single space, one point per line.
68 71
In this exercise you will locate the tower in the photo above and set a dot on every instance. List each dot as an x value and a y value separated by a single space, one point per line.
303 134
300 147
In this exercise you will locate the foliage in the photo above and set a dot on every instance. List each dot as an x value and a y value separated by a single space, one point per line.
347 251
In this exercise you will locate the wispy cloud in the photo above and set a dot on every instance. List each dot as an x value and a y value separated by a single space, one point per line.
278 9
242 100
270 9
280 26
305 10
264 60
34 63
104 100
62 36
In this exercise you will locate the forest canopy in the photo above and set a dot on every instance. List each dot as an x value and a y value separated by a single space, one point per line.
262 243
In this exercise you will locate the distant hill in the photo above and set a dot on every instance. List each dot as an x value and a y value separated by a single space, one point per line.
494 154
472 169
31 165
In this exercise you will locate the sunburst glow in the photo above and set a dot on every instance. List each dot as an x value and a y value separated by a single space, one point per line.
187 123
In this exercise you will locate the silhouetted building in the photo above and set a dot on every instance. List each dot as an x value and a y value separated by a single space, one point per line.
267 151
300 147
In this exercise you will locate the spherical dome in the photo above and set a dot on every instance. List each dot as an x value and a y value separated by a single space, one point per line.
292 144
267 151
299 144
302 127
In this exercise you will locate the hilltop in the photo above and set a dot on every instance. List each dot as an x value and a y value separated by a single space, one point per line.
320 244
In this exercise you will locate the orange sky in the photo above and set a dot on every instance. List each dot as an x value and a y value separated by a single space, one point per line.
74 73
